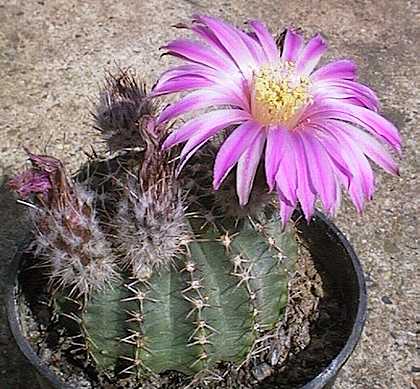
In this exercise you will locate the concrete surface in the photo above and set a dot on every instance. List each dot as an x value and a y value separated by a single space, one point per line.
53 55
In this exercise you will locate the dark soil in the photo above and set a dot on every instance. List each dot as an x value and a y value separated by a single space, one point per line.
311 334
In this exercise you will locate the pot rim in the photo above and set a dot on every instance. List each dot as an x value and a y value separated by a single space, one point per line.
325 377
13 320
328 375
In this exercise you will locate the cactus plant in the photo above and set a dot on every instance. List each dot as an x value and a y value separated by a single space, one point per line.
164 277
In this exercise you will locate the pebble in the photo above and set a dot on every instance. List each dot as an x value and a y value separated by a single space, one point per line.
386 300
262 371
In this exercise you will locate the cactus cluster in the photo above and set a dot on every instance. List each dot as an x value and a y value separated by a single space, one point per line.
176 269
168 275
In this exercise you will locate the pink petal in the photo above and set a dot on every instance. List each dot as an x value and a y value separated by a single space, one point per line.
205 33
305 193
254 47
343 89
362 182
356 196
342 69
181 84
374 123
232 148
293 43
266 40
370 147
247 167
188 154
366 173
286 177
196 100
332 212
200 138
210 129
214 120
286 211
334 143
191 70
231 82
332 147
197 53
321 173
330 92
349 180
311 54
371 121
358 89
361 102
274 150
230 38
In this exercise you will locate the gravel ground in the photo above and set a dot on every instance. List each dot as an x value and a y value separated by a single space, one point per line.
53 55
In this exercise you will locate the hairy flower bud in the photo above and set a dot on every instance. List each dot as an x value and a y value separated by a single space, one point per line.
150 223
122 109
67 231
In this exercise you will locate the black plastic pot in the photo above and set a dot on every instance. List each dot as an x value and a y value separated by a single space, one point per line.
333 256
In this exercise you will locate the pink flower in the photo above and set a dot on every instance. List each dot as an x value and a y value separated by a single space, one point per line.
313 128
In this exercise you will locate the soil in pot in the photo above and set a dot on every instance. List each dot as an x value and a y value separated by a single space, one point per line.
313 331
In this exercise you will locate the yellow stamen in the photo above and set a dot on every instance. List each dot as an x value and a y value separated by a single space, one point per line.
279 93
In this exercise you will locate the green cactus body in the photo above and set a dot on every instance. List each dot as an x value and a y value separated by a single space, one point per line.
102 326
213 305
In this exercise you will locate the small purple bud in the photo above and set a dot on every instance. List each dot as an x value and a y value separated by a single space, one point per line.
31 181
39 179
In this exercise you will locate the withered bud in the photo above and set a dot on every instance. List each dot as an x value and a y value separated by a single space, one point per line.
67 233
123 108
41 180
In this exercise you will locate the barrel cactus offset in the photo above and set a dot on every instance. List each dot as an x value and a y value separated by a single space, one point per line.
180 269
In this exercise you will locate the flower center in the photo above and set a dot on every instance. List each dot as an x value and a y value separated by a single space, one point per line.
279 93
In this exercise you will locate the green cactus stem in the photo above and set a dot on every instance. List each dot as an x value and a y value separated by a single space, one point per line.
212 306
